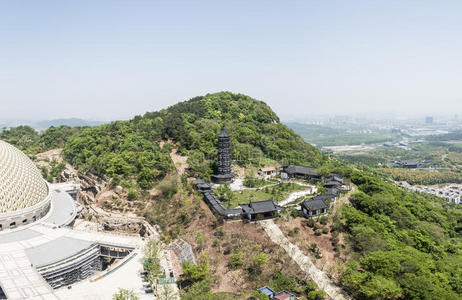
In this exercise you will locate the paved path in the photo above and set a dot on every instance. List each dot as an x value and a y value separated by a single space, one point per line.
127 277
295 195
304 262
20 280
238 185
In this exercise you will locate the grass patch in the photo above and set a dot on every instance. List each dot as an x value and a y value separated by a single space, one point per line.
277 193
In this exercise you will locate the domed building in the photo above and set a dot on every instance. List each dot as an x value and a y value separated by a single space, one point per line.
24 194
38 260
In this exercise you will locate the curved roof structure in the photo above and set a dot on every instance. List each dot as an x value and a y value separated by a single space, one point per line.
21 183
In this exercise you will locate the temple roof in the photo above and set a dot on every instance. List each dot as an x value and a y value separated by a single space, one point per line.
260 207
314 204
223 133
294 169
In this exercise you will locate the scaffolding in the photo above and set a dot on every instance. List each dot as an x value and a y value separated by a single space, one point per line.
73 269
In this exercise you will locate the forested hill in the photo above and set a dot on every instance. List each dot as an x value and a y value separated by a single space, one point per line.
399 244
131 148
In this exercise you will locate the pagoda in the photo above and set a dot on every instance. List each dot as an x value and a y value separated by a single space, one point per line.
224 173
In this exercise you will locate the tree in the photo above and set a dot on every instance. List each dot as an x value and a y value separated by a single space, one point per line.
225 193
260 296
151 262
166 292
316 295
366 239
145 178
379 287
124 294
194 273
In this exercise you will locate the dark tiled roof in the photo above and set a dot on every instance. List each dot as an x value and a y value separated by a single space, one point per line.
314 204
199 181
294 169
324 197
409 162
333 191
335 177
332 183
223 133
216 205
224 176
260 207
202 185
234 212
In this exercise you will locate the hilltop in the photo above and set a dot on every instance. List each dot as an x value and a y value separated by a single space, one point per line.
133 148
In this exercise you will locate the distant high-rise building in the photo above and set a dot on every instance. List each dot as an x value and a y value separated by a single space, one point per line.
428 120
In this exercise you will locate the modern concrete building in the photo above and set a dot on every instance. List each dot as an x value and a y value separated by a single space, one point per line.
24 194
40 252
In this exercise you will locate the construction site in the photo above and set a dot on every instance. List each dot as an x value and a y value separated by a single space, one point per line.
58 253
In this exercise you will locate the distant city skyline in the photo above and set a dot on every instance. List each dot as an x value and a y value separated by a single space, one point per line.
109 60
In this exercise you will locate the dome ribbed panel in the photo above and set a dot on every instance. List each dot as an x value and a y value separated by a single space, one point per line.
21 183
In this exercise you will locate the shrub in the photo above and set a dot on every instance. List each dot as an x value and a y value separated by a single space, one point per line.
184 218
132 194
260 259
220 232
313 247
257 261
294 232
281 281
316 295
335 241
294 213
311 286
193 273
199 238
325 230
168 187
259 296
115 181
318 232
310 223
236 260
323 220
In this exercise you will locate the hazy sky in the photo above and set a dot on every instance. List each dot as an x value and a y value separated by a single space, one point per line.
114 59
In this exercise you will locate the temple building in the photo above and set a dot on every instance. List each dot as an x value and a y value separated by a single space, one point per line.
224 173
260 210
